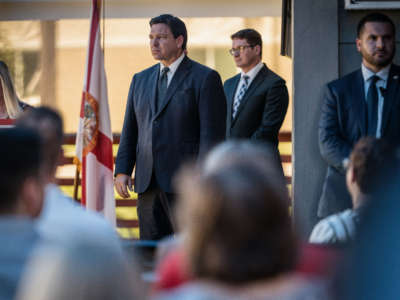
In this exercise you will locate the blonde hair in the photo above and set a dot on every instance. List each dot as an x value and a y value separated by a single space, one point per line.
10 97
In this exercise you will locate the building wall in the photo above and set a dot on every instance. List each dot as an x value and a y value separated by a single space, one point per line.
315 62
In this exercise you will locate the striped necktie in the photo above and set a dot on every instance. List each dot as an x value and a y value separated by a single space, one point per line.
240 95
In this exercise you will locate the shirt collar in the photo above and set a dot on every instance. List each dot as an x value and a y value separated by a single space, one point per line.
382 74
253 72
174 66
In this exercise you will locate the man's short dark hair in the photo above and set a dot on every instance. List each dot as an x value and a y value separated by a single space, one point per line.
20 158
251 36
373 161
49 125
374 17
175 24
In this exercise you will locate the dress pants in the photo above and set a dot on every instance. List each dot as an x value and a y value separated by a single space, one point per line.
155 213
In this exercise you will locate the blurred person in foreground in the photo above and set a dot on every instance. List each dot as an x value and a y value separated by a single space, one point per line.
239 242
62 220
172 269
10 105
80 271
21 192
363 176
371 271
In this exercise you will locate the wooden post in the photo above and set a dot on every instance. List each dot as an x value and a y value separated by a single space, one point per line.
48 62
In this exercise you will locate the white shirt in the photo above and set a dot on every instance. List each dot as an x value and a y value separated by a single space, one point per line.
380 84
337 228
63 221
252 74
172 68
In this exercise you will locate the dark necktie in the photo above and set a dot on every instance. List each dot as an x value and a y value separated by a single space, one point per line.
372 106
162 88
240 95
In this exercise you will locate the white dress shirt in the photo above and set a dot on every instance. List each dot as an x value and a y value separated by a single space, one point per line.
252 74
172 68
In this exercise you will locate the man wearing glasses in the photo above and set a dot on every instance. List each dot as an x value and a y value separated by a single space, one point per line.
257 98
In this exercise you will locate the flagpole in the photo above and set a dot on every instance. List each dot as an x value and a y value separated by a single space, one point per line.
103 7
76 183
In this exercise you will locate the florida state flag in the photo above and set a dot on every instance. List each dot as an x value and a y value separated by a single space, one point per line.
94 136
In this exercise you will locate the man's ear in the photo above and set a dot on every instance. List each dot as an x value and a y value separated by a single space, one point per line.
31 197
258 49
179 41
358 44
352 174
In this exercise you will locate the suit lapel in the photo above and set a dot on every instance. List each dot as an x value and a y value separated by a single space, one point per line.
358 98
153 80
251 89
391 94
179 76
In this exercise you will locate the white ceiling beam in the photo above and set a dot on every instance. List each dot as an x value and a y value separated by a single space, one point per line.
78 9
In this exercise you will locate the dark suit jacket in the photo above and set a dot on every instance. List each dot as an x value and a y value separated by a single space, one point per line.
343 123
190 121
262 109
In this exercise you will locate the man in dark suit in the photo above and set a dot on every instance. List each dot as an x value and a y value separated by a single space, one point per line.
175 112
363 103
257 98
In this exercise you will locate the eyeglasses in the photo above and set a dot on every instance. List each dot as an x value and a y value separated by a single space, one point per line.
239 49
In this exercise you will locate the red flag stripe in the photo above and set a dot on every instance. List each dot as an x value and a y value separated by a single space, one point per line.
103 150
7 121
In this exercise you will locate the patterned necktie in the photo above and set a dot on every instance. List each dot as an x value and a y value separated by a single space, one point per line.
372 107
162 87
239 97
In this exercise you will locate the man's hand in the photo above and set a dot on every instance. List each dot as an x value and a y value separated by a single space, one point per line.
122 181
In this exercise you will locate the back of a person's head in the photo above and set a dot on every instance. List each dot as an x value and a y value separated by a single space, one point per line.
259 153
373 161
49 125
79 271
20 158
370 271
237 220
